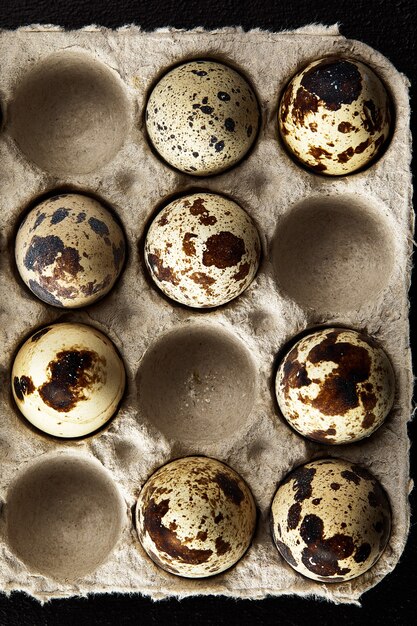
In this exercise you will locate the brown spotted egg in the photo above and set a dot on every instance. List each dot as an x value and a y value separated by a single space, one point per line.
69 250
68 379
330 520
202 117
335 386
195 517
335 116
202 250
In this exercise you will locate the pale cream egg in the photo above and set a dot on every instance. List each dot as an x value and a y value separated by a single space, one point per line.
202 117
68 379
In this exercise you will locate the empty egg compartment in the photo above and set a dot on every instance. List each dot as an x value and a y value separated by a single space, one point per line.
69 114
197 384
160 341
64 516
337 254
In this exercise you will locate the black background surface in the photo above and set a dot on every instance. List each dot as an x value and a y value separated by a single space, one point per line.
391 28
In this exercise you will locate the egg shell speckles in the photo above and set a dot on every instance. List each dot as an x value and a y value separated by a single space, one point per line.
195 517
330 520
202 117
335 116
69 250
335 386
68 379
202 250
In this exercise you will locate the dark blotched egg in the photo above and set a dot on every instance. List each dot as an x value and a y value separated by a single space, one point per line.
70 250
330 520
335 386
335 116
195 517
202 250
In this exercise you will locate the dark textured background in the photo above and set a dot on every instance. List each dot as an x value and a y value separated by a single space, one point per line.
388 26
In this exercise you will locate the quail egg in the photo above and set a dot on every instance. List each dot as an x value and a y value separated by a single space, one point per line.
69 250
68 379
335 386
335 116
202 117
202 250
195 517
330 520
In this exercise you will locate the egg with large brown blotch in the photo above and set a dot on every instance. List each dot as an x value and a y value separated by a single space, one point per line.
195 517
335 116
68 379
202 250
202 117
70 250
335 386
330 520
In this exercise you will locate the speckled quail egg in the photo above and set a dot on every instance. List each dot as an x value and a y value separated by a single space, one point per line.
335 116
330 520
202 250
195 517
68 379
69 250
202 117
335 386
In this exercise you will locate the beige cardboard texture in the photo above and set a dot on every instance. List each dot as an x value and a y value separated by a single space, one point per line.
336 251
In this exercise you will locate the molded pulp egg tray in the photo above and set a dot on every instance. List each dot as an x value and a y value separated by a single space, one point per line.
353 239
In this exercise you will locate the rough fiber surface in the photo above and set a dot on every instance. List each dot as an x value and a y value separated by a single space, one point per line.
267 184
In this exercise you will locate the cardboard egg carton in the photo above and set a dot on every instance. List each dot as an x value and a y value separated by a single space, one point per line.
350 238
